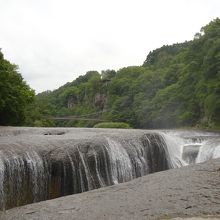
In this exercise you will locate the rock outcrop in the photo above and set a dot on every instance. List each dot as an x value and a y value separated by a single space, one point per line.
38 164
187 191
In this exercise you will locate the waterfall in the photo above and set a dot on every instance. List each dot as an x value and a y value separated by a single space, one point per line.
29 174
209 150
175 147
189 147
2 171
37 170
22 177
121 168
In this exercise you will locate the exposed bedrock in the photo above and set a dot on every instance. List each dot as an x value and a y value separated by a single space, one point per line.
188 191
41 164
94 164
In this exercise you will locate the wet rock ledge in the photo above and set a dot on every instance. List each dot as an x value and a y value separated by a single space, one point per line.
184 192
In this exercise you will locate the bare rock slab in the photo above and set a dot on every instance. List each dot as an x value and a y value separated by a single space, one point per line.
188 192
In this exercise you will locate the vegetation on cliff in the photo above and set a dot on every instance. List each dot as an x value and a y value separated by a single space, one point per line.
177 85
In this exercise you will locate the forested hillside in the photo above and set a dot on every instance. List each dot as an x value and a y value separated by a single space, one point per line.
15 94
177 85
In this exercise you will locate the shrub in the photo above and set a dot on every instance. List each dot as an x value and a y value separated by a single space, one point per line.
112 125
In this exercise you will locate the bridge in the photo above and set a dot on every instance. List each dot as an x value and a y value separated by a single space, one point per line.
86 117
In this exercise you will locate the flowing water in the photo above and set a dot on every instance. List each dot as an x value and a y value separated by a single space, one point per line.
41 164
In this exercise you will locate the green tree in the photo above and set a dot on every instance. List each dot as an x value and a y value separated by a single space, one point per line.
178 85
15 94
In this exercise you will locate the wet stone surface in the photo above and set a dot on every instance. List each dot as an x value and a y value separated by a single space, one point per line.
38 164
198 218
173 194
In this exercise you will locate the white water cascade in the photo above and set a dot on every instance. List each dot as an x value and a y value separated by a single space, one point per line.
35 167
121 167
189 147
209 150
19 173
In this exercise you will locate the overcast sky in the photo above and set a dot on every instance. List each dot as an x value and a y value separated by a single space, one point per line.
54 41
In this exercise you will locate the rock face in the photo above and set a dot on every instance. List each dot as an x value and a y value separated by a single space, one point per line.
71 102
59 163
40 164
91 165
190 153
100 100
184 192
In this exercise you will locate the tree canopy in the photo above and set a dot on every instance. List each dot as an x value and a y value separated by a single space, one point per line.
177 85
15 94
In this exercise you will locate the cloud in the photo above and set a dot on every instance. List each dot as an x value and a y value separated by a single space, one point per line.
55 41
